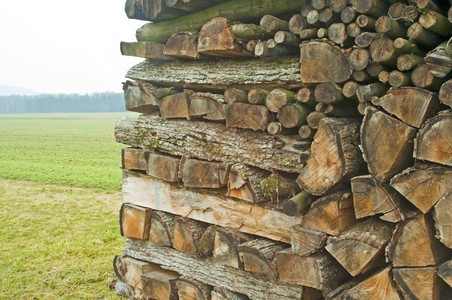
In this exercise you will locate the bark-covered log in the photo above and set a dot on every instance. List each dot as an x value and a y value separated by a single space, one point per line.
360 248
148 50
183 45
293 115
277 98
382 50
250 218
397 79
434 141
406 62
436 22
389 153
422 36
164 167
414 244
366 92
190 138
160 284
135 221
402 11
318 271
420 283
331 213
297 204
278 188
438 61
305 241
335 156
389 27
372 198
211 273
234 10
161 232
219 75
323 62
370 7
243 115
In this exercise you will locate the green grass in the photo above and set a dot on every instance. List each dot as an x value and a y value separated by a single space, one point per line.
59 193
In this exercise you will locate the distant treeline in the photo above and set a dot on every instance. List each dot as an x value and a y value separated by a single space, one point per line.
62 103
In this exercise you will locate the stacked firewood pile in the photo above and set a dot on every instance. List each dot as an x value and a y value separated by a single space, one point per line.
287 150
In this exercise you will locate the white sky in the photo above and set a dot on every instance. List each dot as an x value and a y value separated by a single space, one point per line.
57 46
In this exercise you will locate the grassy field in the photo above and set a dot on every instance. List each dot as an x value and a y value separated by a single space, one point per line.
59 193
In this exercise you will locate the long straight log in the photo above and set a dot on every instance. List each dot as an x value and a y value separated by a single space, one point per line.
234 10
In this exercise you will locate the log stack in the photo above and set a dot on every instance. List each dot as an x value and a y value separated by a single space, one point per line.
287 150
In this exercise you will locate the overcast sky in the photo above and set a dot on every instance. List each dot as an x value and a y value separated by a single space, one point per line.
55 46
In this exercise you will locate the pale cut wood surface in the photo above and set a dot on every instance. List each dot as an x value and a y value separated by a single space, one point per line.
212 273
214 209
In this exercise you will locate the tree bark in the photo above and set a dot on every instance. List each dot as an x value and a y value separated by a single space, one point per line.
297 204
277 188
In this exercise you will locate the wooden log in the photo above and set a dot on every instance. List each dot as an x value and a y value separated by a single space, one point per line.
398 79
148 50
313 18
306 132
406 62
204 174
297 23
438 61
163 167
349 89
270 49
175 106
297 204
402 11
433 142
348 15
370 7
334 156
389 27
257 96
247 32
382 50
243 115
414 244
318 271
182 45
398 141
224 294
245 183
419 283
138 100
277 98
362 76
134 159
436 22
445 272
305 241
188 289
135 221
322 33
337 33
219 75
209 106
225 251
317 59
442 217
359 58
306 95
160 284
217 38
421 35
161 232
423 78
293 115
286 38
364 39
276 128
162 92
365 22
423 186
360 248
445 93
273 24
156 10
366 92
337 5
371 198
233 10
275 187
330 214
213 274
407 47
353 30
188 138
232 95
383 77
328 93
134 10
257 256
411 105
214 209
132 270
187 235
378 285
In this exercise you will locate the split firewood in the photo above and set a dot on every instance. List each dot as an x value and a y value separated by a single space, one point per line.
378 285
148 50
438 61
257 256
366 92
397 140
414 244
225 251
368 239
234 10
330 214
164 167
175 106
445 93
297 204
419 283
372 198
273 24
317 59
204 174
370 7
293 115
423 78
434 141
319 271
134 10
188 235
160 284
245 183
138 100
442 214
209 106
132 270
188 289
224 294
134 159
243 115
183 45
217 38
410 104
445 272
305 241
162 92
334 156
135 221
276 187
277 98
161 232
422 36
257 96
404 12
389 27
424 185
